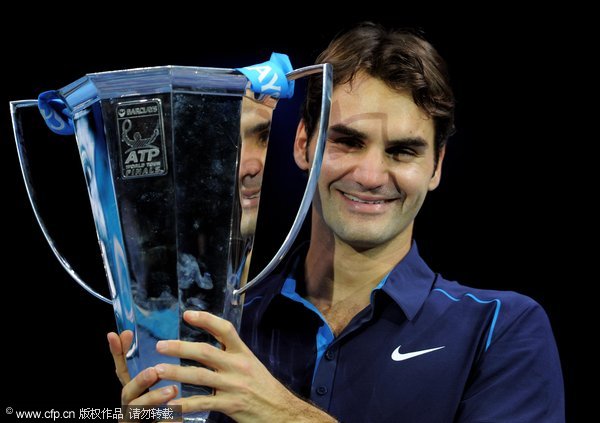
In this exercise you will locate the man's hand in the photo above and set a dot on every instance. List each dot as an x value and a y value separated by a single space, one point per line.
244 388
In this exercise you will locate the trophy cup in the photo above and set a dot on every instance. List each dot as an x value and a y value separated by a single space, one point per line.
163 152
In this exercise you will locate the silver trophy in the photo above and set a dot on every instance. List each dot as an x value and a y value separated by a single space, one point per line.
163 152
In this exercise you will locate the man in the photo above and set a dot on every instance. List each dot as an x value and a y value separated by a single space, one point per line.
254 127
355 326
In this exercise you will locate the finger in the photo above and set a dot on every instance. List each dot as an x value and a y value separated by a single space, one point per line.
220 328
115 344
138 385
126 340
155 397
220 403
203 353
190 374
198 403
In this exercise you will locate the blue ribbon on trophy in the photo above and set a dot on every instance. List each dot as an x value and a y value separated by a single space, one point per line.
56 113
269 77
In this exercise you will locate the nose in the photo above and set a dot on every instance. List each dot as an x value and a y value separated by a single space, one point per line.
250 168
371 170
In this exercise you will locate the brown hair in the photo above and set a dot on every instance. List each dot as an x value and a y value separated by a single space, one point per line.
401 59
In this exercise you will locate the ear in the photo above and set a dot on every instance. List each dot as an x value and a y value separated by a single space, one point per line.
437 173
301 147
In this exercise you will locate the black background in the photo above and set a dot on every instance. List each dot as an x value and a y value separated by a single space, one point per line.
506 216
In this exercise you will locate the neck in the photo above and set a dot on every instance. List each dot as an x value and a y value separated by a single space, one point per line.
338 273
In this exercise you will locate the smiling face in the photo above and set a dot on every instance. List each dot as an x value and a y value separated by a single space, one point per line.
378 166
254 127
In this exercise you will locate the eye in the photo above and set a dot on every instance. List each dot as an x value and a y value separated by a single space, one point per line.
399 152
350 142
263 138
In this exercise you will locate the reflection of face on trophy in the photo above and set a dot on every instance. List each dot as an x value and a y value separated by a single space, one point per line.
254 127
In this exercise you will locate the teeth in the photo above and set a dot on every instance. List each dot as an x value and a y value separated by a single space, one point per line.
358 200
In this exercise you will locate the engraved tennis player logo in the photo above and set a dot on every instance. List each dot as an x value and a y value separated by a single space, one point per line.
141 133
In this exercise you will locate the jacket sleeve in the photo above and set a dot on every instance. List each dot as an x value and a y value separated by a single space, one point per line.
518 377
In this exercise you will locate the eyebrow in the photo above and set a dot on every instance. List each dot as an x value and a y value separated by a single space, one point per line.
258 128
347 131
414 142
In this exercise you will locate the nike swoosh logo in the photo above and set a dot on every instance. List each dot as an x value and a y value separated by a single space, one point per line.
398 356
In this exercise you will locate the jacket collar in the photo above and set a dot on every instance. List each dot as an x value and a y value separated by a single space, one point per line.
408 284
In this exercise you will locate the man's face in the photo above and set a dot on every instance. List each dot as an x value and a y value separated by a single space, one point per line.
378 164
255 126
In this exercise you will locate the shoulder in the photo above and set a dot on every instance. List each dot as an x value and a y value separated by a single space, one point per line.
508 316
515 369
511 303
271 285
258 299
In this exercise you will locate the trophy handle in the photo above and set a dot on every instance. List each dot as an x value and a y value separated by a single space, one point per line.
327 70
15 107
